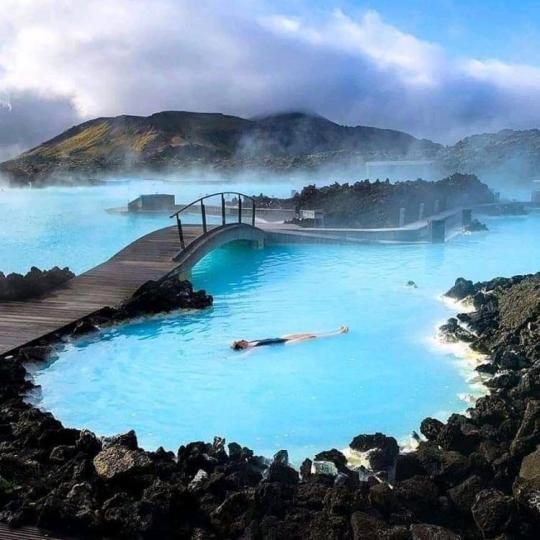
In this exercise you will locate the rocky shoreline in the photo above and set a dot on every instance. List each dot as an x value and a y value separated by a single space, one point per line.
475 476
33 284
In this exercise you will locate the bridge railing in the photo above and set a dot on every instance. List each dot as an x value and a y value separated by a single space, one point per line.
237 207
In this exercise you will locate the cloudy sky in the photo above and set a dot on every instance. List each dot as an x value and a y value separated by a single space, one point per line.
436 68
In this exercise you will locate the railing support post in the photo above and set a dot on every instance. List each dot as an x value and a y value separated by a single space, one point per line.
438 232
203 214
253 212
239 208
223 218
180 232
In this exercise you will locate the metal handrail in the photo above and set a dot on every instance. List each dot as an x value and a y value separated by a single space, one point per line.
203 211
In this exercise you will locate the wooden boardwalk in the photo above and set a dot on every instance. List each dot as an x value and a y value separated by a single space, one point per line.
110 283
26 533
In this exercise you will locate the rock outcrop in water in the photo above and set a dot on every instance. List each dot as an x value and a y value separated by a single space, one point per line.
151 298
475 476
34 284
162 296
378 204
475 226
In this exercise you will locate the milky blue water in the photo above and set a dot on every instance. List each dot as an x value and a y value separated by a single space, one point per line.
69 226
175 379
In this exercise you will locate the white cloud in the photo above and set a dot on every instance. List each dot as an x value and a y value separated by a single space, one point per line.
414 61
511 77
137 57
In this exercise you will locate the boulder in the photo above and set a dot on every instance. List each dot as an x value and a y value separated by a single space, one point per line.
430 428
528 434
83 328
527 495
382 497
530 466
461 289
455 467
492 512
453 332
199 477
408 465
491 410
420 495
129 440
459 434
463 495
383 450
529 384
504 379
305 469
368 527
118 461
62 453
232 515
88 443
280 471
423 531
335 456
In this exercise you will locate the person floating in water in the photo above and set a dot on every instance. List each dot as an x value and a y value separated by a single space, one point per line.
290 338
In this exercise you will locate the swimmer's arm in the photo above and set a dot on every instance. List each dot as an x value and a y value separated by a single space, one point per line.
294 337
297 337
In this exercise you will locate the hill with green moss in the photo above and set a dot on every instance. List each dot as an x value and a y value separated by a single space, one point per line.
175 140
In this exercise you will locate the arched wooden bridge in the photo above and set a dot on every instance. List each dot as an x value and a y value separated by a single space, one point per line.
171 250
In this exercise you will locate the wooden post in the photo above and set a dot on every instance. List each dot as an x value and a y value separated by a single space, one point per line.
253 212
223 218
180 232
203 213
436 206
239 208
421 212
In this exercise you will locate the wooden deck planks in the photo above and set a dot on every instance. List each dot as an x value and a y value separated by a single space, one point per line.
108 284
25 533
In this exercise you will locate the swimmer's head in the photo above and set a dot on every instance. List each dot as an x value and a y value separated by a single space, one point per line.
343 329
240 344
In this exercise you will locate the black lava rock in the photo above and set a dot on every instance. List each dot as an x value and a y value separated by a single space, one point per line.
34 284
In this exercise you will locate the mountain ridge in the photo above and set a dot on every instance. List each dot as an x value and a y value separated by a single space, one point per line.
172 141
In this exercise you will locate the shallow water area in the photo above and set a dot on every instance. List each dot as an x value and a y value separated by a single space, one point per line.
175 379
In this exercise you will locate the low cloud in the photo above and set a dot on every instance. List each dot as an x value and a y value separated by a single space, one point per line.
27 119
62 62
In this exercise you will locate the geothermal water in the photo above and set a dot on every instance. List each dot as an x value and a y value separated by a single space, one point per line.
174 379
69 226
